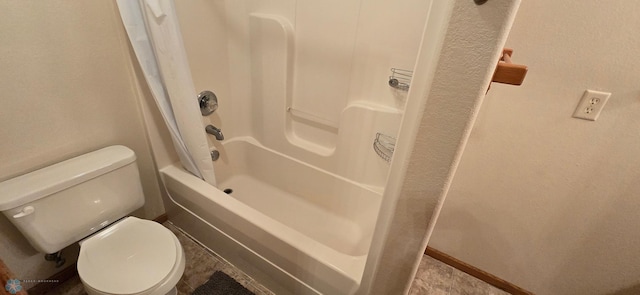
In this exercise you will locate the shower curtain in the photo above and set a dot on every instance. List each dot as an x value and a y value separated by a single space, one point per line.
152 27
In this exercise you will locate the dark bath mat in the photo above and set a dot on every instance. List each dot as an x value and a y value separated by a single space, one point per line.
221 284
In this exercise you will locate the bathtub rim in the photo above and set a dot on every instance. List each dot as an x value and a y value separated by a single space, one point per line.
351 267
378 190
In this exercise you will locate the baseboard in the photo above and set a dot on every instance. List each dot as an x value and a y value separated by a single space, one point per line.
70 271
476 272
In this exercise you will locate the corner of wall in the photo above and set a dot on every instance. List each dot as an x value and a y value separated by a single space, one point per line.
474 37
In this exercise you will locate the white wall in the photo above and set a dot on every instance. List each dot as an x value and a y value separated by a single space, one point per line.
67 89
441 109
543 200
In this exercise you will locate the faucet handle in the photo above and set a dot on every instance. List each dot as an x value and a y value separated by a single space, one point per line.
208 102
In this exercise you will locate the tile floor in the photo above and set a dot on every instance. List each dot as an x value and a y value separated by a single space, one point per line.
437 278
433 277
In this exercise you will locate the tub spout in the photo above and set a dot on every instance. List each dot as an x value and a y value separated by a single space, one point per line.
214 131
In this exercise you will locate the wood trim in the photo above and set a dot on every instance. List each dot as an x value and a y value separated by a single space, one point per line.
55 280
5 275
476 272
162 218
507 72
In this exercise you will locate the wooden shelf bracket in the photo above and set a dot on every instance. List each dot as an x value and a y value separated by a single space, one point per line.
507 72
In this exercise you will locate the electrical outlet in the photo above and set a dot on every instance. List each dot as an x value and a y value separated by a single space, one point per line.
591 104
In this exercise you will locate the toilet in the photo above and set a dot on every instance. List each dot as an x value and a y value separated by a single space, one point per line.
87 199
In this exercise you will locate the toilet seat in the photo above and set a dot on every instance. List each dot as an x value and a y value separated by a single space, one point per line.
129 257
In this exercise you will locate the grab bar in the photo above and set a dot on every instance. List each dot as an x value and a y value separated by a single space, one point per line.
311 117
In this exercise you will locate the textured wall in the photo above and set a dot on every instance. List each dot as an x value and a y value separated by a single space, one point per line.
541 199
474 37
65 76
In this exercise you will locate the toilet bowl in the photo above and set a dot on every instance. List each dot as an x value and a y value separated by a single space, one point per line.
132 256
88 199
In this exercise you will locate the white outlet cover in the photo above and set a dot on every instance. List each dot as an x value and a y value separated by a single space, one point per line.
591 105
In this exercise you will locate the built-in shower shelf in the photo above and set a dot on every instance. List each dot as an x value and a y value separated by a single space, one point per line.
384 145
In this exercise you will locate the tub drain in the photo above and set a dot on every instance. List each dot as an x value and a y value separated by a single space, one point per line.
227 191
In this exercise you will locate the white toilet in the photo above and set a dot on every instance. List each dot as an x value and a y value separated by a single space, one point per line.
86 199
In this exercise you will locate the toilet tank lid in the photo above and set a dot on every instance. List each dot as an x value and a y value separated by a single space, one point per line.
35 185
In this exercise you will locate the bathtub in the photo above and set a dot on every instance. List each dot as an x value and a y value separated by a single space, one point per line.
295 228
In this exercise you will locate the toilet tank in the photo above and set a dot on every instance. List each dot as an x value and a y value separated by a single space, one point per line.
60 204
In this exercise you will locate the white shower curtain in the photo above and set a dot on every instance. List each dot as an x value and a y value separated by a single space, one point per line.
152 26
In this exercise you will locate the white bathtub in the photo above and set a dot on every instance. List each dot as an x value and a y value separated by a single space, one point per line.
293 227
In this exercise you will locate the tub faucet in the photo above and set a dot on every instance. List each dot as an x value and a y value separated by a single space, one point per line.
214 131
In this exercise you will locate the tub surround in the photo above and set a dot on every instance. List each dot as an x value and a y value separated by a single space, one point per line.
284 80
250 228
256 67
